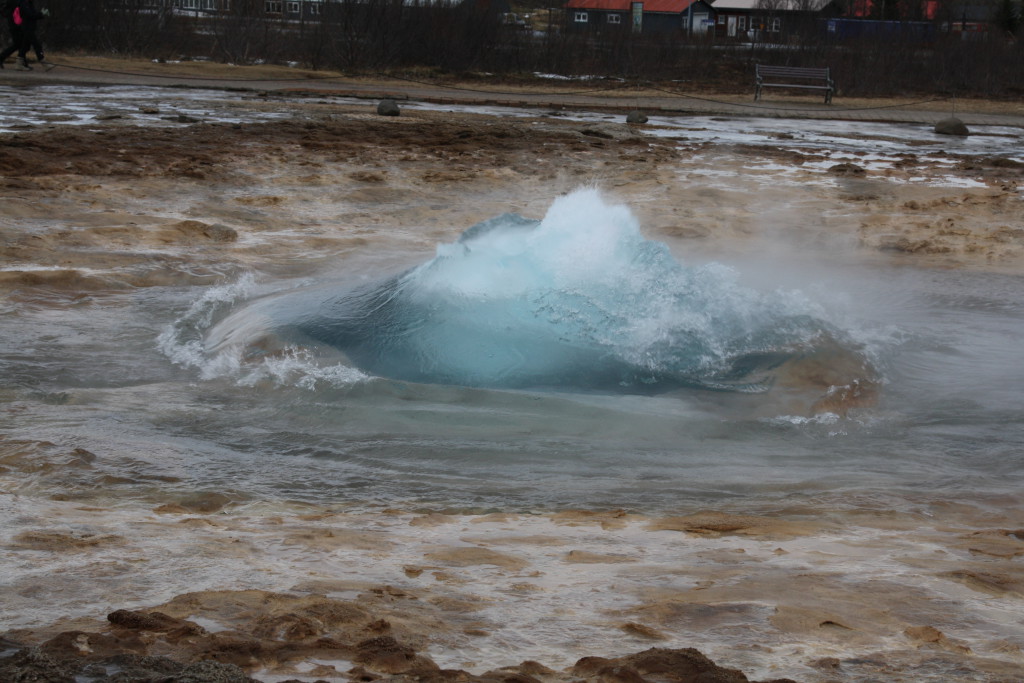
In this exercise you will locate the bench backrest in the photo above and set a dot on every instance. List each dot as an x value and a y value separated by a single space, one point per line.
792 71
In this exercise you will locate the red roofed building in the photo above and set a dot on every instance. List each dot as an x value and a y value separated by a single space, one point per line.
646 16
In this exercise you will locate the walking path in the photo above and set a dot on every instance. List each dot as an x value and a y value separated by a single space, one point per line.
615 97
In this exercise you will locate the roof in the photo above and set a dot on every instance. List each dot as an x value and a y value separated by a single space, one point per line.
668 6
772 5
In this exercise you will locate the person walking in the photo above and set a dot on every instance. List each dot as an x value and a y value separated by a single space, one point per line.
21 17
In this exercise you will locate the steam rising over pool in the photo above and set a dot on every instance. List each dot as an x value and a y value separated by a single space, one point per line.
577 301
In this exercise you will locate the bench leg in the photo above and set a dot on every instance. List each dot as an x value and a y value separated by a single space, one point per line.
757 93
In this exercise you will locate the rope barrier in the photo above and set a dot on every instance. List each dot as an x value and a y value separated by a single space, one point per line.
139 74
231 79
830 108
622 86
593 91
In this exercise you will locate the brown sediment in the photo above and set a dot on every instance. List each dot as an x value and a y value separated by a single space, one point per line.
978 226
469 556
584 557
606 519
259 630
730 574
277 633
204 503
1001 584
60 541
719 524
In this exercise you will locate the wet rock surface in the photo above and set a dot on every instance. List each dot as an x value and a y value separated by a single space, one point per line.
128 653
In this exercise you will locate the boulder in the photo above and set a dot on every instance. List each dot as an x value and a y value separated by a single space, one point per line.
951 126
636 116
846 169
388 108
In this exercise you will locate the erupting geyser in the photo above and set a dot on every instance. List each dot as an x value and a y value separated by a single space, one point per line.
578 301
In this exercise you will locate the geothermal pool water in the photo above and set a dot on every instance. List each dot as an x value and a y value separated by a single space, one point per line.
301 428
303 423
180 392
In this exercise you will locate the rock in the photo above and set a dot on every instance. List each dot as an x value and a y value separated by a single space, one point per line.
846 169
191 230
132 667
388 108
31 665
153 621
387 655
218 232
635 117
212 672
673 665
78 644
827 664
608 131
619 674
1004 162
34 665
929 636
951 126
289 627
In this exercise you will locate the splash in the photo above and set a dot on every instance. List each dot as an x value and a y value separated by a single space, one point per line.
578 301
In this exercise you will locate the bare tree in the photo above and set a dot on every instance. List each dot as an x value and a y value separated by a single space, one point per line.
247 31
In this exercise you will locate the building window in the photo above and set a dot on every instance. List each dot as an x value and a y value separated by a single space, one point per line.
614 18
721 20
272 6
776 25
741 23
313 8
580 17
293 8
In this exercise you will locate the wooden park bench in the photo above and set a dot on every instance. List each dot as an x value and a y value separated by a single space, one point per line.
794 77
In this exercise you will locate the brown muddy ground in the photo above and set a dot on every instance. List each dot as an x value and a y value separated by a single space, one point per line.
127 188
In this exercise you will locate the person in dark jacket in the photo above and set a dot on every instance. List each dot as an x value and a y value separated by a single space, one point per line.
21 17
